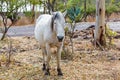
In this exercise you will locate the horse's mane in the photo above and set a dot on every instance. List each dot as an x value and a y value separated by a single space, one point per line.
55 15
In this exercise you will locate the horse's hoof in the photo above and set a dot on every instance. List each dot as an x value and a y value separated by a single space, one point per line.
44 67
59 72
47 72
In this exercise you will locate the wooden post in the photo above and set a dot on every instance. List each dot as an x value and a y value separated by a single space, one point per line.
100 23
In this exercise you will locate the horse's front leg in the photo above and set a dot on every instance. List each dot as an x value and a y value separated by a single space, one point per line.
48 59
58 60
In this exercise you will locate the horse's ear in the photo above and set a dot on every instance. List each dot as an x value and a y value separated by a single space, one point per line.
55 15
64 13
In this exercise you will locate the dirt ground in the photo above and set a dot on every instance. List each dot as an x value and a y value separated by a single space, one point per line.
87 62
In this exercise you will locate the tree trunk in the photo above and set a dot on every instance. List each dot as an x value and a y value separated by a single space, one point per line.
4 33
48 6
33 13
3 36
51 6
100 23
85 10
44 8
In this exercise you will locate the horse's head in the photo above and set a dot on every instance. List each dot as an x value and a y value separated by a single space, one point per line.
58 25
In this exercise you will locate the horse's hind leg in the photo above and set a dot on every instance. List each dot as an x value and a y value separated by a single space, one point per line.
58 61
44 58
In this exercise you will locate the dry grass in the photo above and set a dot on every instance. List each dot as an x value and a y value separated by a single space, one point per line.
87 63
22 21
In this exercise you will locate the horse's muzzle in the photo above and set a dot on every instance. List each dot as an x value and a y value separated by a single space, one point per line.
60 38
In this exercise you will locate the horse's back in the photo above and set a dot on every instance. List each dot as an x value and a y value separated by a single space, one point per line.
41 26
43 17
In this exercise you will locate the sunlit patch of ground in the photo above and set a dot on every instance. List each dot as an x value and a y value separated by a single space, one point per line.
87 63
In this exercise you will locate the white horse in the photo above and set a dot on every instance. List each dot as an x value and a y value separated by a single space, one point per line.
49 31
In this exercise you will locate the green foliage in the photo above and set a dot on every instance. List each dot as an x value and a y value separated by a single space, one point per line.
91 9
118 5
73 3
111 8
66 29
109 32
112 1
28 14
11 7
60 6
35 2
73 13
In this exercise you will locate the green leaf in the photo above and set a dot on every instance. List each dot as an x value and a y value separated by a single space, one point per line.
73 12
77 11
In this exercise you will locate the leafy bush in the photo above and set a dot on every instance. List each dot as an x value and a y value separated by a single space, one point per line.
109 32
118 4
28 13
73 13
91 9
73 3
111 9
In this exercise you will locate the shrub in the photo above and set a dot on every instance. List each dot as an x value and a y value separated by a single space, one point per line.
111 9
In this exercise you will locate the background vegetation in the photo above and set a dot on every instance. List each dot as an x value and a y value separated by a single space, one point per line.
11 9
87 7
